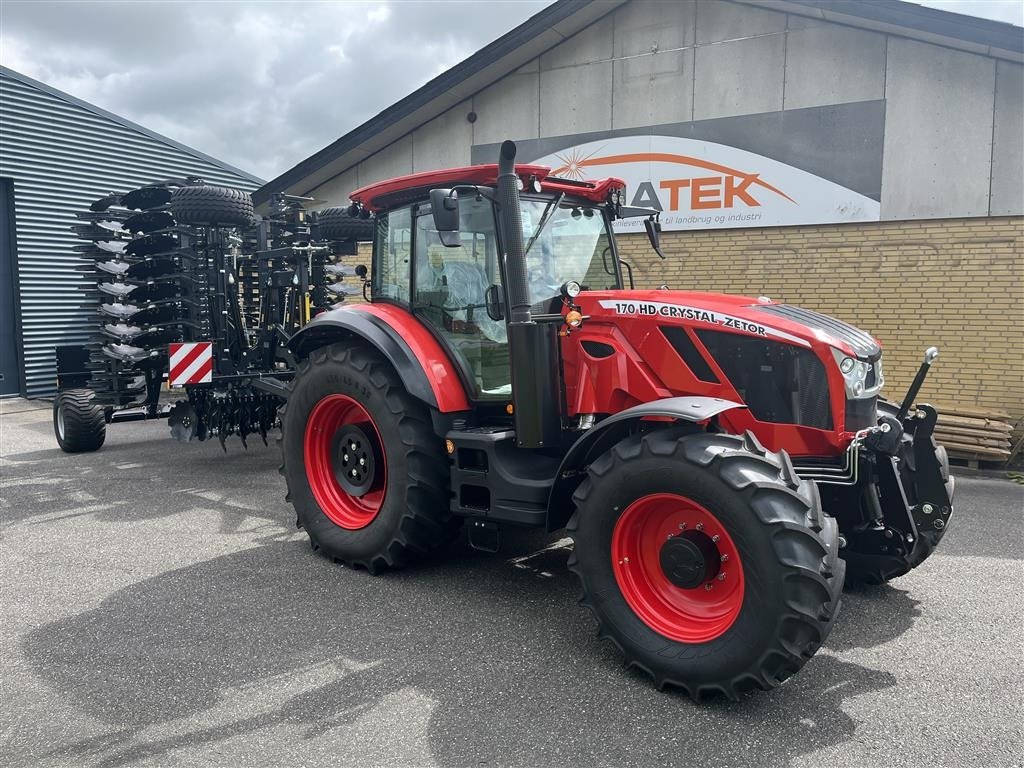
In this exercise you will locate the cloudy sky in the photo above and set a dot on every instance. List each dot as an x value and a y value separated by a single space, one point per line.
262 85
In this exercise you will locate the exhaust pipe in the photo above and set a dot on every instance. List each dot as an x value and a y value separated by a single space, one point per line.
512 231
532 347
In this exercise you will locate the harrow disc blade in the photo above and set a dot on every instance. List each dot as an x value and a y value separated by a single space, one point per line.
117 290
116 268
101 248
152 245
147 197
149 221
340 289
127 353
339 270
120 311
104 202
182 421
121 331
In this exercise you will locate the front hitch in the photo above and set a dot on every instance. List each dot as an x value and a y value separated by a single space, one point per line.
934 504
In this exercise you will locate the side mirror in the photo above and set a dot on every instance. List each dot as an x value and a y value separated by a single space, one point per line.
493 303
445 206
653 234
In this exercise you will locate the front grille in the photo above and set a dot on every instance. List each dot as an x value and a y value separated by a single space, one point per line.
861 413
863 343
780 383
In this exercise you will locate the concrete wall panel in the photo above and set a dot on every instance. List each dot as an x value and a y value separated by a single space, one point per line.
938 131
509 108
394 160
586 47
738 78
1008 149
576 99
652 78
336 191
832 64
718 21
444 142
575 83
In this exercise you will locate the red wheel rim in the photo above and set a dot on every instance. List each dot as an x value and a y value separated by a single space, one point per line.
687 615
331 418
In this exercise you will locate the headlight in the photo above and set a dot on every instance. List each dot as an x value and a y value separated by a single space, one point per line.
571 289
855 374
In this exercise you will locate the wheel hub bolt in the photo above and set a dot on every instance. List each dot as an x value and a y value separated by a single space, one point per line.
707 587
725 558
344 457
715 538
362 462
353 446
721 576
354 473
682 526
700 526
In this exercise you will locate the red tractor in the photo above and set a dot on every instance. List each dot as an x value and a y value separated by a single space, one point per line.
720 462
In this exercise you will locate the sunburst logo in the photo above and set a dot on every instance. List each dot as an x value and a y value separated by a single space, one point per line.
573 162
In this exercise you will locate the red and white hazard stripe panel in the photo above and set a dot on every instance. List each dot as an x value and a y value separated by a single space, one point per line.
190 363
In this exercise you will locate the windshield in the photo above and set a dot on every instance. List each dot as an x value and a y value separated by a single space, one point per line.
566 241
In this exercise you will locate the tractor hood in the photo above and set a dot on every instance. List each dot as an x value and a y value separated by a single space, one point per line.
760 317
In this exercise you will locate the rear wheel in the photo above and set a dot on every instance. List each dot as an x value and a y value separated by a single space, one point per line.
365 472
706 560
78 421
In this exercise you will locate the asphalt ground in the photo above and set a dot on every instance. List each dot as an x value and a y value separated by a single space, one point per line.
158 608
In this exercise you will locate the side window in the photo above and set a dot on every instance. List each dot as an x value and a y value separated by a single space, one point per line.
392 255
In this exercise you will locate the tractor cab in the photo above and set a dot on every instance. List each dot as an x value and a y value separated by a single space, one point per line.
438 253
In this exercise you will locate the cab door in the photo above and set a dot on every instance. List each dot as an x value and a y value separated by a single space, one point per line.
449 285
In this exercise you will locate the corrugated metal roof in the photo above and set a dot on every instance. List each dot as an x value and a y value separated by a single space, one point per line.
62 154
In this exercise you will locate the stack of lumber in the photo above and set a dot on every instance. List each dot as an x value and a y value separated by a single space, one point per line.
974 434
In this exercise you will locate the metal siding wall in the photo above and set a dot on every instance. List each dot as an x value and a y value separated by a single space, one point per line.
62 157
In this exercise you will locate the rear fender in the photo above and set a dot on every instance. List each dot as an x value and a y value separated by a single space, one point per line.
608 432
426 371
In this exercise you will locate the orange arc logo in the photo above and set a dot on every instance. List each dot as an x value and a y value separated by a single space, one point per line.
664 157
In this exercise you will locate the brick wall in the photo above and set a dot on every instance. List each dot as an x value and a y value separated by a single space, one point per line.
957 284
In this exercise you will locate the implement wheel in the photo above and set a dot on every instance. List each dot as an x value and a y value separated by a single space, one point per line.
366 474
78 422
706 560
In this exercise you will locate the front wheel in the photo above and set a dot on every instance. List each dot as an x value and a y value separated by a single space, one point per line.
706 560
366 473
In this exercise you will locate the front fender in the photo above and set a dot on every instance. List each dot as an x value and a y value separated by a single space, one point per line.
611 430
425 369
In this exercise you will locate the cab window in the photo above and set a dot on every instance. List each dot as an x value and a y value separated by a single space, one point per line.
392 255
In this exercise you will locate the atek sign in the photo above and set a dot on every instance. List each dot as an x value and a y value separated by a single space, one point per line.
704 185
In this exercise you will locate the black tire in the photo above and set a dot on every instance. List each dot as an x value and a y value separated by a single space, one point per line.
78 421
207 205
788 549
414 516
876 569
336 224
